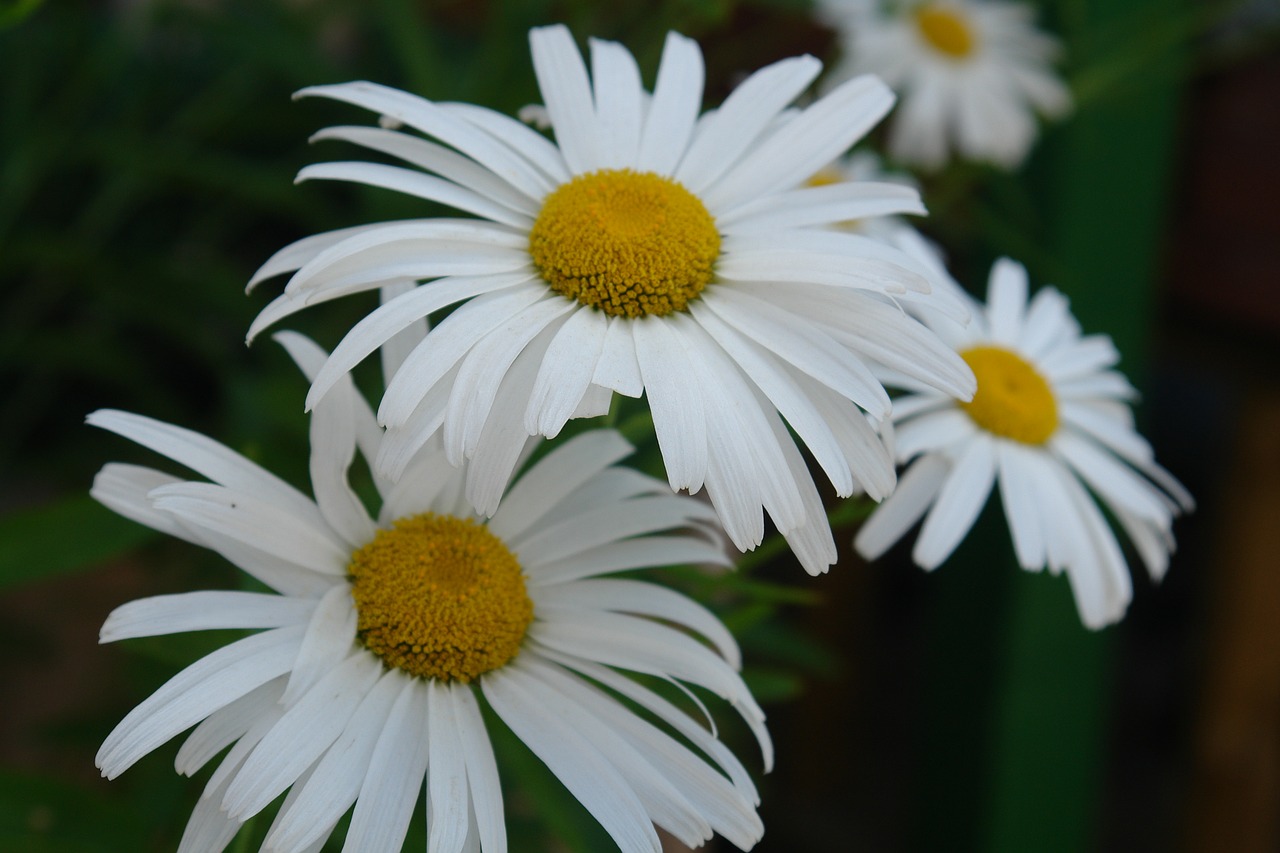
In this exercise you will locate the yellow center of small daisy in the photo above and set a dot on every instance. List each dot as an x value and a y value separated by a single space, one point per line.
628 243
439 597
946 30
1013 400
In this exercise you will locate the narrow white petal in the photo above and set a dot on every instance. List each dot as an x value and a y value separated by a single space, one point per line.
917 488
435 158
1018 495
329 638
398 346
123 489
226 725
209 829
197 691
1110 478
679 421
819 134
443 123
526 142
554 477
628 554
753 104
959 501
590 777
256 522
673 111
203 611
618 102
645 599
934 431
566 91
566 372
300 252
609 523
395 775
336 780
384 323
447 793
1007 301
617 368
333 449
825 205
302 735
206 457
417 184
448 343
482 771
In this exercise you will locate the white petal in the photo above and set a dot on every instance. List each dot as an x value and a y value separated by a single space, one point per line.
618 103
566 371
825 205
447 793
679 421
917 488
206 457
608 523
556 475
811 140
226 725
395 775
417 184
1018 495
625 555
482 771
383 324
256 522
197 691
203 611
329 638
725 134
590 777
306 730
1007 301
618 368
566 91
336 780
673 111
959 501
644 599
123 489
448 343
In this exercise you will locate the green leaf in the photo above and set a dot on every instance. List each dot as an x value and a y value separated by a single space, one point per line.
71 535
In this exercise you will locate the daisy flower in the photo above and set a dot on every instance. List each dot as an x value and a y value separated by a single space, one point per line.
361 682
972 75
1051 425
649 250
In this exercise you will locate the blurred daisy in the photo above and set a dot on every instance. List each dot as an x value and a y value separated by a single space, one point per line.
359 686
972 75
1050 424
648 250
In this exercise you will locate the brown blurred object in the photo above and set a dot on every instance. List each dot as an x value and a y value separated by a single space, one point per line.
1225 281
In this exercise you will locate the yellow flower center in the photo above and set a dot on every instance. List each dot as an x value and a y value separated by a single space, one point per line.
945 29
1012 400
629 243
440 597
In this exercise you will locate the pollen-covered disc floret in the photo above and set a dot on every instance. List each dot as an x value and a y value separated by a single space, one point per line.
945 29
629 243
440 597
1013 400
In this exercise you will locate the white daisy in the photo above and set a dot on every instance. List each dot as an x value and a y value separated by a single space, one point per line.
648 250
1051 425
364 676
972 75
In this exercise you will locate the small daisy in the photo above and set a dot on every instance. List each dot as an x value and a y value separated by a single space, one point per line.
650 250
362 682
1051 425
972 75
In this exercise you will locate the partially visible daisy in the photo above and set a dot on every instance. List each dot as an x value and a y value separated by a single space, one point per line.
1051 425
650 250
361 683
972 75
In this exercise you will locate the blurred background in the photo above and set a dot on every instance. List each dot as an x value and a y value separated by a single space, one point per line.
147 149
